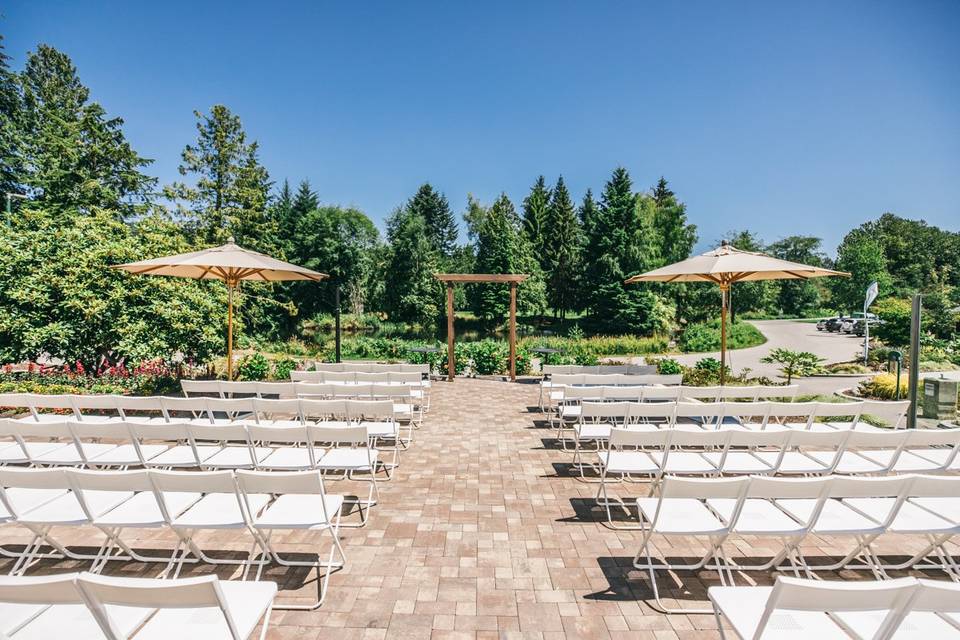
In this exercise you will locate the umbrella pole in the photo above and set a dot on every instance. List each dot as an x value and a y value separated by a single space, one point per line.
724 290
229 331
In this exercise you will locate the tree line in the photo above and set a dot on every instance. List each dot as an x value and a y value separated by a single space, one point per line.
90 202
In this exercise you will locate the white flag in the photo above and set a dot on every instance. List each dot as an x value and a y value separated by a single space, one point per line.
872 292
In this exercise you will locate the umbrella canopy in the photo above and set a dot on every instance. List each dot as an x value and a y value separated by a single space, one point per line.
228 263
725 265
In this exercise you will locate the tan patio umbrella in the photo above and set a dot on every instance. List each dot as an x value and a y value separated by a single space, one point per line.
725 265
228 263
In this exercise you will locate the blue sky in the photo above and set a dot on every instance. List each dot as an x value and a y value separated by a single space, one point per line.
785 118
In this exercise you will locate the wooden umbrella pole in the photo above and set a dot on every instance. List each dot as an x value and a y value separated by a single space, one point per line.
230 286
451 358
724 290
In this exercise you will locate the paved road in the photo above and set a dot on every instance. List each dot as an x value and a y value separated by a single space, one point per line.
797 336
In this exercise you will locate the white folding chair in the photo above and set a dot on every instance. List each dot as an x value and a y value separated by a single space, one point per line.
200 607
302 504
791 415
105 405
236 449
203 388
61 406
865 452
812 608
151 405
126 452
684 455
348 452
17 450
290 445
738 456
56 433
182 452
681 510
928 451
891 413
276 390
383 429
628 456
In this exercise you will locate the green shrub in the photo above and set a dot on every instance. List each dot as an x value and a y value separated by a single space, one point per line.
488 357
282 368
668 367
895 327
884 387
253 366
794 363
461 360
705 336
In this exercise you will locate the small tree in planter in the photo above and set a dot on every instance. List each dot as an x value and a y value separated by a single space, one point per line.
794 363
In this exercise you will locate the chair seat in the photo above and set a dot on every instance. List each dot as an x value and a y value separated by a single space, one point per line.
739 462
23 500
945 507
67 510
908 462
382 429
288 458
793 462
592 431
918 625
683 463
219 511
354 459
126 455
909 519
182 455
77 623
628 462
143 511
757 517
743 607
237 457
11 453
36 449
682 516
246 601
858 426
70 455
850 462
836 517
299 511
571 411
14 615
941 456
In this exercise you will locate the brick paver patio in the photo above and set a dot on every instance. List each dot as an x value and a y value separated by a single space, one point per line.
483 533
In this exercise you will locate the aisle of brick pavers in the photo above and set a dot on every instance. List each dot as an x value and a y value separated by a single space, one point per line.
478 537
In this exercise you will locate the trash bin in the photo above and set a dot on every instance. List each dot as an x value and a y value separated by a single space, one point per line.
940 398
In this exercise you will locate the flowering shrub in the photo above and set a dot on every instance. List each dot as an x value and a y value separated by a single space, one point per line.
154 377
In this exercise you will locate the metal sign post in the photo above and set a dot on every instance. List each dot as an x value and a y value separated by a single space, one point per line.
872 292
914 372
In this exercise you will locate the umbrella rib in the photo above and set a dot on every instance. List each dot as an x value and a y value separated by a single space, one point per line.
798 275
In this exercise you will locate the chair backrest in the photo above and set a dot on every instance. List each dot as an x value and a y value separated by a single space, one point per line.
771 488
891 412
315 389
152 404
620 438
194 481
306 376
713 410
396 391
371 410
46 430
604 411
747 409
323 409
634 394
925 486
838 410
177 593
271 435
353 436
375 377
696 437
577 394
329 366
770 392
278 389
169 432
265 408
422 369
405 377
87 480
34 478
869 487
700 393
659 412
196 407
937 596
93 402
15 400
218 432
281 482
335 376
739 393
876 440
555 369
239 388
652 394
362 390
703 488
567 379
803 411
55 589
91 430
198 387
233 407
744 438
819 439
796 594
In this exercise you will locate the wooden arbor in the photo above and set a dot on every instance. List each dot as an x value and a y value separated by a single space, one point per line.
513 279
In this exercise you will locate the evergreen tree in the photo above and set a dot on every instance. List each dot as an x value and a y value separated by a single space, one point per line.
305 201
587 211
231 188
412 294
677 237
662 192
10 127
441 226
535 207
799 297
284 219
562 245
73 157
749 296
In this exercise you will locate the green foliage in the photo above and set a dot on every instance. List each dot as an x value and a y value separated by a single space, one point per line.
794 363
282 368
535 211
668 367
861 255
58 294
799 298
441 226
749 296
253 366
488 357
414 295
705 336
895 315
560 256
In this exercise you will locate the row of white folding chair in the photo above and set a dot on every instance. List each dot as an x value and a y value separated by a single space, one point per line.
369 367
346 448
87 605
629 369
875 610
791 509
256 503
637 452
386 377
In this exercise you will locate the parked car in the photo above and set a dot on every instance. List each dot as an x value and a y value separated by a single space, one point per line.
822 324
847 325
833 324
859 326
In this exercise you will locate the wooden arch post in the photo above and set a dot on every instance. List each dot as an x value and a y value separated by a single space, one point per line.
451 279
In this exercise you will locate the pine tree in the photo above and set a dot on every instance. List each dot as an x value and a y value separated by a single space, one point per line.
441 226
74 157
305 201
413 294
587 211
662 192
677 237
231 189
561 253
535 207
10 127
286 222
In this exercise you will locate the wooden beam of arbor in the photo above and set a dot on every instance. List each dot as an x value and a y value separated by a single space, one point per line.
481 277
513 279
